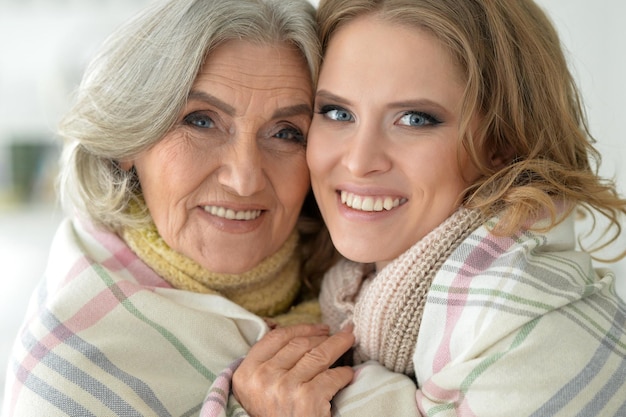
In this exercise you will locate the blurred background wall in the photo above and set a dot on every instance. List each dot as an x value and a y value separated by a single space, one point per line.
44 47
45 44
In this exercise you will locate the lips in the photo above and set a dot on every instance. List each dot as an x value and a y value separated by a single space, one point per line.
370 203
230 214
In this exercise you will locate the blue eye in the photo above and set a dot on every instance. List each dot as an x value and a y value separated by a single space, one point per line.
418 119
199 119
336 113
291 134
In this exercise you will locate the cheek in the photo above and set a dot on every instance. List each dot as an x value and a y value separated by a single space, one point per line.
149 176
292 183
158 194
168 174
162 181
434 170
468 171
319 155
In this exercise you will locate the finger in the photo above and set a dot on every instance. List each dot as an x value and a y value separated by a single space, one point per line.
266 348
333 380
321 357
315 396
294 350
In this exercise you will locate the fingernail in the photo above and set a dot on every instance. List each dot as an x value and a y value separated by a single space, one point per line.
323 327
347 328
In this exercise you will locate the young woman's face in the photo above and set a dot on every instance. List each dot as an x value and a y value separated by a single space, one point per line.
382 148
226 184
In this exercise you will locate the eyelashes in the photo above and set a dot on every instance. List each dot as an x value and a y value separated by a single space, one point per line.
291 134
284 131
336 113
199 120
410 118
418 119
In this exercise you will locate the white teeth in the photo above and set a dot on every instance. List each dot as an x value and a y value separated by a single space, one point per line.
388 204
366 203
231 214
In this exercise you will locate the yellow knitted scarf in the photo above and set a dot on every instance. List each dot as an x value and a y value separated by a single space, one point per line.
268 290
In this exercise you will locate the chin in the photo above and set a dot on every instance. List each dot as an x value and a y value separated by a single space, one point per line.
225 259
356 255
228 263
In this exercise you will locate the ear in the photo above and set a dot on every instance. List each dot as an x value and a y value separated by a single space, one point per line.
126 164
499 158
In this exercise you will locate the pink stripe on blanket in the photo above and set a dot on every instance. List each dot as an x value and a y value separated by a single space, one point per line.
91 312
479 259
438 396
99 306
18 384
123 258
79 266
216 401
47 343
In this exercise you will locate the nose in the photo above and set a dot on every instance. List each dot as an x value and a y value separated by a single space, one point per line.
366 152
242 172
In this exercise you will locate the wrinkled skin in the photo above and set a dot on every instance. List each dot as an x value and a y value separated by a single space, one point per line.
288 373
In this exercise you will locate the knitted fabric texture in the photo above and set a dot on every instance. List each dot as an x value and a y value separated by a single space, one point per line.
386 307
267 290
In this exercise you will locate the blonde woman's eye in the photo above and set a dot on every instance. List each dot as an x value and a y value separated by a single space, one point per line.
418 119
336 113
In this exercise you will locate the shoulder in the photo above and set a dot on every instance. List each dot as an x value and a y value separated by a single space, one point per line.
493 289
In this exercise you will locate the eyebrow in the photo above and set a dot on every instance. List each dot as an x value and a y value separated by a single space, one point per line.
327 95
283 112
212 100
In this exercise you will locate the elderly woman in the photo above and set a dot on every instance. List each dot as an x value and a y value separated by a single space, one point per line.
185 176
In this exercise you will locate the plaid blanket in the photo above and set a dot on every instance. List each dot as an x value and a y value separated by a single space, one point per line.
105 336
512 327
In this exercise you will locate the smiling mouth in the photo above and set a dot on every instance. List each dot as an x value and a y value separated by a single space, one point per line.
230 214
370 203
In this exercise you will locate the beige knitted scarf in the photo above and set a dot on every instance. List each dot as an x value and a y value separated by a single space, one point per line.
386 307
267 290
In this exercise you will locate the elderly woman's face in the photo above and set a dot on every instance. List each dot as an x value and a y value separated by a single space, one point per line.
226 184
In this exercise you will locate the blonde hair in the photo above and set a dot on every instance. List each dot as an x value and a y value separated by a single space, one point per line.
134 89
518 81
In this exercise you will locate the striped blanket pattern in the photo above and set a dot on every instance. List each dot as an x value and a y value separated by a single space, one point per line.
518 326
105 336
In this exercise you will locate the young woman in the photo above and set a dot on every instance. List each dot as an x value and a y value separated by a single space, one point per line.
449 156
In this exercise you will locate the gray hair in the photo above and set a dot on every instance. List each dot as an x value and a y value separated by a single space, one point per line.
135 88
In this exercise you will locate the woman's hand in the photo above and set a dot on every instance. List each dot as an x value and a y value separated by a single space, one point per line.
288 373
